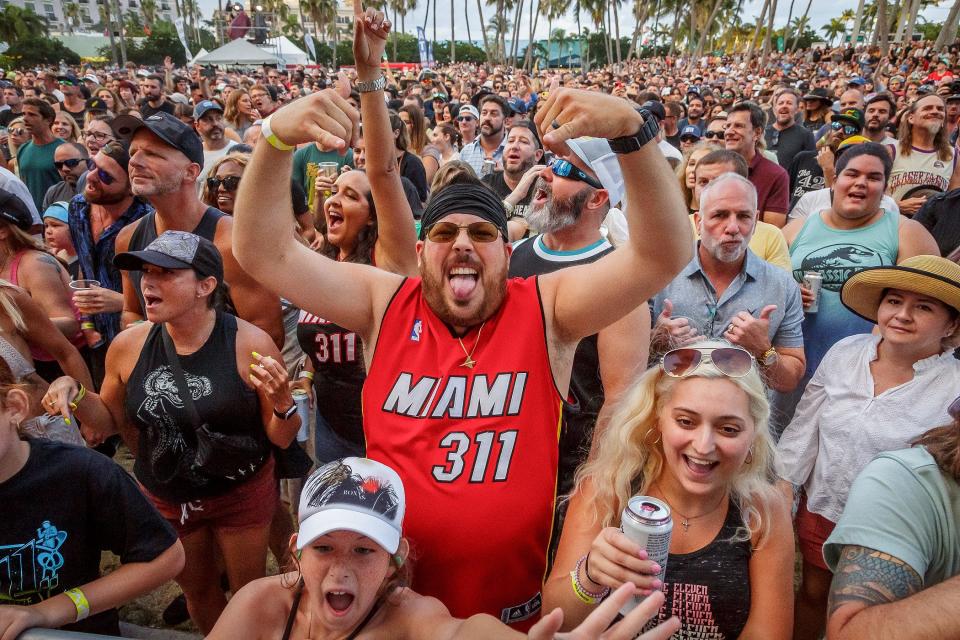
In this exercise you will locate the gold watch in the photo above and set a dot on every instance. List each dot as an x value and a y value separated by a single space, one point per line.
769 356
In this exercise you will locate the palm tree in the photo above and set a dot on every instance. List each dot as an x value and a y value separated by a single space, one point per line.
17 23
291 27
453 31
834 28
323 12
148 9
949 31
802 25
71 14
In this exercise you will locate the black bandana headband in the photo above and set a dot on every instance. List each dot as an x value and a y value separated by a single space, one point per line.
474 199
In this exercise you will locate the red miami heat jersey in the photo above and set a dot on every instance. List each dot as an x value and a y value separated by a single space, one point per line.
476 449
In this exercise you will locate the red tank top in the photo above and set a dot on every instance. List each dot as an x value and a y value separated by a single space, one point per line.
476 449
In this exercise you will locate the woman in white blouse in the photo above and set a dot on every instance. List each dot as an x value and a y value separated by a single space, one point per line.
871 393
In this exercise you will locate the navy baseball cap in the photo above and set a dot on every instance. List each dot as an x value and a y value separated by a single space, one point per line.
518 106
14 210
168 128
204 106
69 78
176 250
96 104
690 131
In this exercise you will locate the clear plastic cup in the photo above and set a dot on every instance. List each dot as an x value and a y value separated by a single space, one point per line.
80 285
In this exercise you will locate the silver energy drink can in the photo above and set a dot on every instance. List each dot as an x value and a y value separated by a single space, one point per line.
487 168
812 280
302 399
647 522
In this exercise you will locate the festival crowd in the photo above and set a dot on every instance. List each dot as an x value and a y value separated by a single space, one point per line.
291 299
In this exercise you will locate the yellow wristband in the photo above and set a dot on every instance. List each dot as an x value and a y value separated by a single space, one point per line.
578 590
80 602
306 374
271 137
87 325
79 397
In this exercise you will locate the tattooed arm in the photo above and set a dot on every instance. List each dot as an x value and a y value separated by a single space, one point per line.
876 596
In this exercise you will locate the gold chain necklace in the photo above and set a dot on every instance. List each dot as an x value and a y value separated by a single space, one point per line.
685 522
469 363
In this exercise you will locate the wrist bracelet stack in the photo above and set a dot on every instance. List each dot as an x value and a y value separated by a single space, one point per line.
81 394
587 597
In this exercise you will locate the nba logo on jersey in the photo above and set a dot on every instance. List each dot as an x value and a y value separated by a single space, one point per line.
417 328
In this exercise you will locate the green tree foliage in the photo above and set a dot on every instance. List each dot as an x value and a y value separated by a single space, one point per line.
18 24
40 51
161 42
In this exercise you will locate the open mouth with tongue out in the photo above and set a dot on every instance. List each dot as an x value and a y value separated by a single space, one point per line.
463 280
339 602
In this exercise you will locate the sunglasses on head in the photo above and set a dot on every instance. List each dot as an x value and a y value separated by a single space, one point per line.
565 169
230 183
730 361
848 129
70 164
445 232
713 134
102 175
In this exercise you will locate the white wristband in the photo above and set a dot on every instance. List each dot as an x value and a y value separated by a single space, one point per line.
271 137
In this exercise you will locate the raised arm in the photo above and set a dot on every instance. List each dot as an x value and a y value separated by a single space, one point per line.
396 243
345 293
575 304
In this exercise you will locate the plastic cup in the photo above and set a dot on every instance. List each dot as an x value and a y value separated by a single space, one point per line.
80 285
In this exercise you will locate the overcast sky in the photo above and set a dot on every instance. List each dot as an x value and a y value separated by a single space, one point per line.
821 11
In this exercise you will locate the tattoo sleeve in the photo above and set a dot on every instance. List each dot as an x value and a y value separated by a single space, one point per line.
870 577
51 261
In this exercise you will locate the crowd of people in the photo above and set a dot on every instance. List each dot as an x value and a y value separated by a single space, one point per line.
486 308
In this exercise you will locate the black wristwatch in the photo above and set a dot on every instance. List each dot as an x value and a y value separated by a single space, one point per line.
286 415
648 132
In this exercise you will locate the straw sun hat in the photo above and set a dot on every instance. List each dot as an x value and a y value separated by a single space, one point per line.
932 276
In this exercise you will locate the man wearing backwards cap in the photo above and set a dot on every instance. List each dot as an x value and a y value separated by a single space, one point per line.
105 206
468 370
208 120
166 157
467 121
571 198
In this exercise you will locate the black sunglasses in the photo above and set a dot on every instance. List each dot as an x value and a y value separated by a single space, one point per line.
70 164
709 135
444 232
230 183
102 175
734 362
565 169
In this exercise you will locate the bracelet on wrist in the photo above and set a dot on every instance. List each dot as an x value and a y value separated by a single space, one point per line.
586 596
271 137
80 602
77 399
306 374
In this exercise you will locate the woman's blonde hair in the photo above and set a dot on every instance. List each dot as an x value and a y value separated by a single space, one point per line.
629 455
242 159
682 170
74 127
10 306
10 147
19 240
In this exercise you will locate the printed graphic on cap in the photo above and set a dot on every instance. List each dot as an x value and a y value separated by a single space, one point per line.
339 484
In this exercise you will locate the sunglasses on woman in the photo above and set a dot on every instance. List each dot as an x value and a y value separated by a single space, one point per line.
70 164
445 232
230 183
102 175
848 129
18 132
730 361
565 169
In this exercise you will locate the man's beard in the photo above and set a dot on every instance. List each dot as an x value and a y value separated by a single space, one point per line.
99 197
494 291
555 214
215 134
875 129
493 132
516 174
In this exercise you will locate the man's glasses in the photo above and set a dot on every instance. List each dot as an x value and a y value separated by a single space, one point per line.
465 119
102 175
446 232
230 183
848 129
710 135
70 164
565 169
98 136
730 361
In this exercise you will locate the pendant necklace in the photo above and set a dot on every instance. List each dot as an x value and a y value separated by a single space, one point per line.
685 520
469 363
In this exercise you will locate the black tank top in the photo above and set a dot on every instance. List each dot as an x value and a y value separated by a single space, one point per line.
222 400
709 589
532 257
337 358
146 232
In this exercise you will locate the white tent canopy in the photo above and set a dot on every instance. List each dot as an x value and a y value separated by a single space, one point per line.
199 55
284 49
238 52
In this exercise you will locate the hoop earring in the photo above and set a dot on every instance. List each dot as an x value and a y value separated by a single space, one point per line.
657 441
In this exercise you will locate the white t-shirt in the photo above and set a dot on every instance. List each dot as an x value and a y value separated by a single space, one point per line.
918 169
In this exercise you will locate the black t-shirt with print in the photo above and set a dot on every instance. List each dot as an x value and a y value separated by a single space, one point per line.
805 176
65 506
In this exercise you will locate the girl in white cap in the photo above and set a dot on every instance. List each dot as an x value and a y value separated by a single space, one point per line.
352 571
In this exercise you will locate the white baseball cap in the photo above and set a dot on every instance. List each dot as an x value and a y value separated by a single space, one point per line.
597 154
353 494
